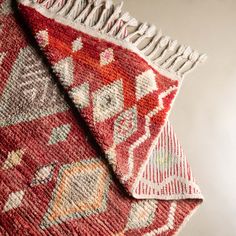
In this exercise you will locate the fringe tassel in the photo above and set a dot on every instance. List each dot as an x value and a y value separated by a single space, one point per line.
140 31
75 9
85 12
131 22
174 66
46 3
106 11
162 44
112 18
153 42
92 15
102 15
169 47
147 33
64 10
201 59
114 28
56 5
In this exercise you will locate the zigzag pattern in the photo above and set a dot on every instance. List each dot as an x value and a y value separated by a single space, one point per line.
147 131
167 173
170 222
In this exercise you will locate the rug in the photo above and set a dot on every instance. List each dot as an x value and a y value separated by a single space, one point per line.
86 146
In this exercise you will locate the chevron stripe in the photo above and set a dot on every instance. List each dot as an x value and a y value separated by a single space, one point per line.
167 172
170 222
144 137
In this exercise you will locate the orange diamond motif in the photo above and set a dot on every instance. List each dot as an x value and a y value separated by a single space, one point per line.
81 190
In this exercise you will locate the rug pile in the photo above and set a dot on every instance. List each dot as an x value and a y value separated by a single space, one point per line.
86 147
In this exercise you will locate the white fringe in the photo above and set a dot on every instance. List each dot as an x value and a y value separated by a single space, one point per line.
102 15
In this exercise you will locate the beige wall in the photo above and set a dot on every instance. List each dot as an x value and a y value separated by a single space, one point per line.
204 115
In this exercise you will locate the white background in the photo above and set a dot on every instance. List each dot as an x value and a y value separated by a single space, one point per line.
204 114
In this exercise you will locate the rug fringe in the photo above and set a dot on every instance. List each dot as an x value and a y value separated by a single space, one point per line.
108 19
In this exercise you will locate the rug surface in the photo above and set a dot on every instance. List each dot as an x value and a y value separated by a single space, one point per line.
86 148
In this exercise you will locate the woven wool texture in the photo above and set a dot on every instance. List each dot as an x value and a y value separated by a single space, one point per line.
85 145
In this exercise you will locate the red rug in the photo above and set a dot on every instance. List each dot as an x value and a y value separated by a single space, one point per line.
55 179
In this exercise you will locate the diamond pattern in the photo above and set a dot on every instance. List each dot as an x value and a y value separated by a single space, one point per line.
59 134
13 159
14 200
125 125
77 45
108 101
43 175
145 84
81 190
80 95
106 57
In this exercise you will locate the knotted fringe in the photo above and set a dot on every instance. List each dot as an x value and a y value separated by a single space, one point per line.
163 53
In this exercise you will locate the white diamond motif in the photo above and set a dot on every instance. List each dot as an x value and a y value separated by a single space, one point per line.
80 95
13 201
43 175
145 84
108 101
77 45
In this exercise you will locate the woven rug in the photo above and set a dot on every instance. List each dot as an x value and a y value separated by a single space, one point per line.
86 147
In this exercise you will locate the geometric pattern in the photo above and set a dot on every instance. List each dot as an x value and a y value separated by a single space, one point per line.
13 201
43 175
137 83
79 199
125 125
106 57
42 37
81 190
169 224
32 96
65 69
145 84
77 45
13 159
167 172
59 134
108 101
141 215
80 95
165 159
146 135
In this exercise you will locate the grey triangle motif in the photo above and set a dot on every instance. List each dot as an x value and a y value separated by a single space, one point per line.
30 93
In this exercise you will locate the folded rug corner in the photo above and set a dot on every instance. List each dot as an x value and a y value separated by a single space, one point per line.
123 77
